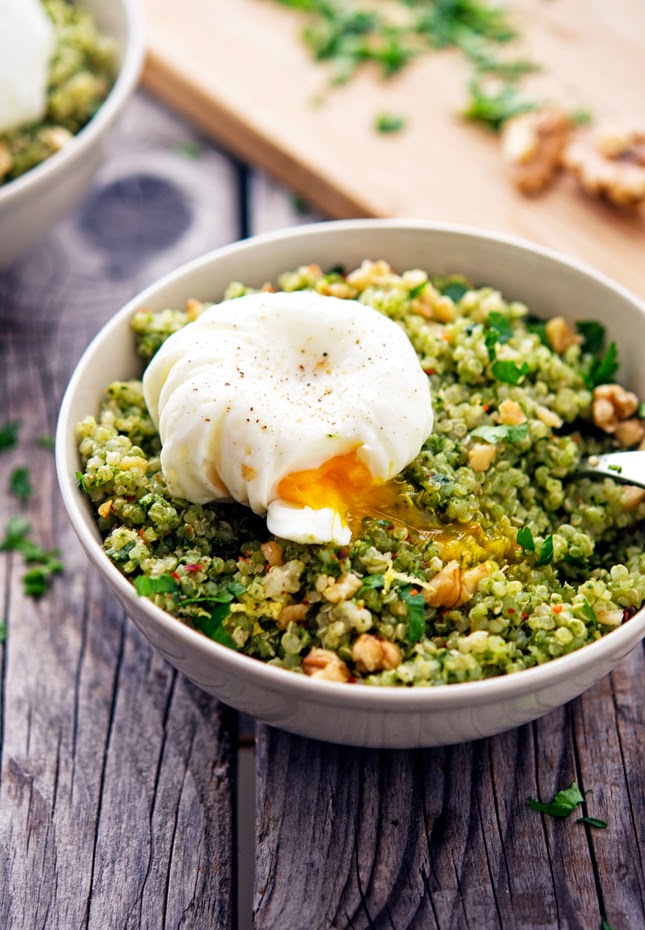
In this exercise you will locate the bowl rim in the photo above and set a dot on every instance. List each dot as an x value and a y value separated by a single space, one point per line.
395 698
126 80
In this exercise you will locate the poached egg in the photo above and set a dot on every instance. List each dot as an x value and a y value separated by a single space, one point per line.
298 405
27 42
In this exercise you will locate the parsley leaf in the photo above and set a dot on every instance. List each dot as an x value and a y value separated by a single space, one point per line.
416 613
602 371
16 530
46 442
525 539
593 822
546 552
373 581
500 325
514 433
509 372
160 584
213 626
563 803
605 925
9 434
19 484
237 588
388 122
3 632
455 291
593 335
493 107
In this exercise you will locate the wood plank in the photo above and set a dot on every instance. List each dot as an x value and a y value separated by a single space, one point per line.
444 838
117 775
238 69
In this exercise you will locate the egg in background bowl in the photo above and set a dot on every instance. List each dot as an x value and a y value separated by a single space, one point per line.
359 715
30 204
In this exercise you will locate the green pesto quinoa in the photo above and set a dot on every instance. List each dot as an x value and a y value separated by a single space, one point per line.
515 560
81 73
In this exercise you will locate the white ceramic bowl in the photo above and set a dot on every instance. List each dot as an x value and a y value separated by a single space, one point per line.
34 201
359 714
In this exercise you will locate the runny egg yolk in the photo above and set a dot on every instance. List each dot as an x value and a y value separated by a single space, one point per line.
346 485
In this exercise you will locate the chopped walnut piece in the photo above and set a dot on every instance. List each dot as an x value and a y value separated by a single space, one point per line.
481 455
560 335
322 663
273 552
610 162
632 497
451 587
611 404
341 590
373 654
630 432
105 509
533 144
510 413
292 613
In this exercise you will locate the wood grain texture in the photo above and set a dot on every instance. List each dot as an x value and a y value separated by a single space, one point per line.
444 838
238 69
117 775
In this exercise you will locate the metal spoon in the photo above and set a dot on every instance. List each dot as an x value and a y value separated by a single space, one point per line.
626 467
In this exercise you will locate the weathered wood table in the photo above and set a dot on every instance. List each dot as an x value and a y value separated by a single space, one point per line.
119 778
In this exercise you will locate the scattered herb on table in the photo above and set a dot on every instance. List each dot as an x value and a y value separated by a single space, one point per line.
9 435
593 822
562 804
3 631
46 442
44 564
20 483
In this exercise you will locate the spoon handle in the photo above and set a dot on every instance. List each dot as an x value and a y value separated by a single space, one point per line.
626 467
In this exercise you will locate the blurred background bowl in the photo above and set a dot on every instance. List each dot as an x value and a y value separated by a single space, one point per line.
33 202
358 714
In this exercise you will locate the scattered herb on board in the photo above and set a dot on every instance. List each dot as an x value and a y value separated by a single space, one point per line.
9 435
348 35
387 123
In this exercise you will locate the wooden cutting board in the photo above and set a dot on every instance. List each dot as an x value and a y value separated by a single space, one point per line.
238 69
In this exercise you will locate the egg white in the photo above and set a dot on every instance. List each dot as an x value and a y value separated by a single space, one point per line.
26 45
269 384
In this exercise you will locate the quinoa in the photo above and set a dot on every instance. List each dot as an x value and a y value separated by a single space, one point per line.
81 73
522 561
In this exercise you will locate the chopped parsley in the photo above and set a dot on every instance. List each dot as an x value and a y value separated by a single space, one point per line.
588 611
20 484
525 539
145 585
44 563
593 335
602 370
373 581
500 326
509 372
546 552
46 442
493 106
3 632
562 804
9 434
388 122
415 604
513 433
593 822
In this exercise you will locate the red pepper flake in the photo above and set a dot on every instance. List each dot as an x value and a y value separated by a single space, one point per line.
525 616
511 610
414 592
142 532
429 371
193 567
485 407
557 608
176 576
